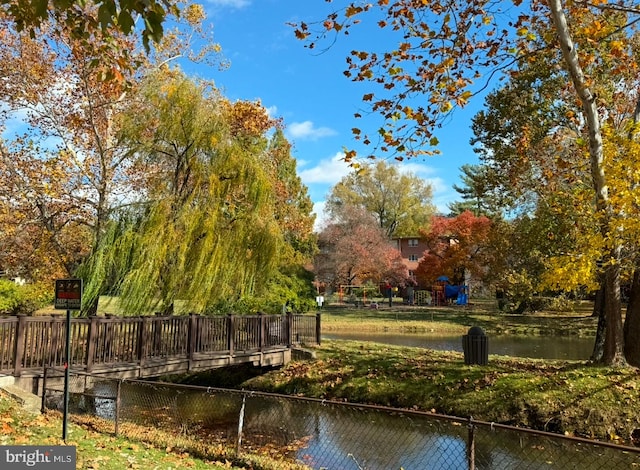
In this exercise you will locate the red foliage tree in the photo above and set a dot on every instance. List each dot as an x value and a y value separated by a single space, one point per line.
355 250
455 245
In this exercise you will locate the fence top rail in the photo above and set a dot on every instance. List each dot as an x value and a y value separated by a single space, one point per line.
110 316
360 406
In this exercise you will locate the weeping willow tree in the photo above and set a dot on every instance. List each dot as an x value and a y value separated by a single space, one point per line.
200 226
292 283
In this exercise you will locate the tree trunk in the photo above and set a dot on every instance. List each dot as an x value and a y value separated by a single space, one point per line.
613 338
632 323
598 303
598 311
92 307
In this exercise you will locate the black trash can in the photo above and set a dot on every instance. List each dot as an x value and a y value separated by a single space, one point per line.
475 346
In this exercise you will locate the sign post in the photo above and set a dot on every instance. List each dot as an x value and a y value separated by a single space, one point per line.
68 297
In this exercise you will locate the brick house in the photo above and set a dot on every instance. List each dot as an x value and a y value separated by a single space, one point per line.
411 249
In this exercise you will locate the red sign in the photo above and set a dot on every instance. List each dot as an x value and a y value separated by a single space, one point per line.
68 294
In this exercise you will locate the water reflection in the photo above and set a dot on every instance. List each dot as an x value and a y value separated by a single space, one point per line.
537 347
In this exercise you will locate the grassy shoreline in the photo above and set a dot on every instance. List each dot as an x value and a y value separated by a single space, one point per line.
571 397
568 397
457 320
97 447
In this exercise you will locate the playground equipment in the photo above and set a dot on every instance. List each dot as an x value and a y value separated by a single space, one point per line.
443 293
359 301
423 297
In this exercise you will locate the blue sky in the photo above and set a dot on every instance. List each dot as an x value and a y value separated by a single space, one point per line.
308 90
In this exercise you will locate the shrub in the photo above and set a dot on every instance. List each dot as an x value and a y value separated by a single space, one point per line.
561 303
25 299
8 296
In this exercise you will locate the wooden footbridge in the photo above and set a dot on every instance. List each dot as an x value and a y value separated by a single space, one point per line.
151 346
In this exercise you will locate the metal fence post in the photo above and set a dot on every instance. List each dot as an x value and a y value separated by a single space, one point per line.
240 424
117 416
471 445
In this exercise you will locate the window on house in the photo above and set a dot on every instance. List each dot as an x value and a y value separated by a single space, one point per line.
413 257
413 242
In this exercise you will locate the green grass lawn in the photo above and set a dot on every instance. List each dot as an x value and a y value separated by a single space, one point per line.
560 396
458 319
97 448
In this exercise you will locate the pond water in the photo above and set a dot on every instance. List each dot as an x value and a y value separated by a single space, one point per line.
537 347
334 436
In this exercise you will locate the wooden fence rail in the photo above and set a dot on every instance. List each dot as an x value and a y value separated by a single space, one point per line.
31 343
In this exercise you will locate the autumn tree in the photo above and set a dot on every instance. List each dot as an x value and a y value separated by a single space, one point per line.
65 110
88 19
62 95
444 49
533 137
527 141
400 202
43 235
203 229
456 248
292 281
354 250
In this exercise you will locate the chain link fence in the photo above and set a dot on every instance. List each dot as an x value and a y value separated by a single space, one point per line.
317 434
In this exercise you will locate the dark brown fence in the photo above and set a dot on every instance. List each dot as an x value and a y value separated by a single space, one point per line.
31 343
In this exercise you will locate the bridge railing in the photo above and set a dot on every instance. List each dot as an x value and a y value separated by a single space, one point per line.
31 343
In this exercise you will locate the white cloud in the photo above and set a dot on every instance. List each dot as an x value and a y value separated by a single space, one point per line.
321 217
443 194
328 171
272 111
306 131
419 169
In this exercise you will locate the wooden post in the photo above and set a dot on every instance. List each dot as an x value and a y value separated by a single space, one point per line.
18 355
142 341
261 331
156 335
231 333
289 329
318 328
192 335
53 351
92 336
